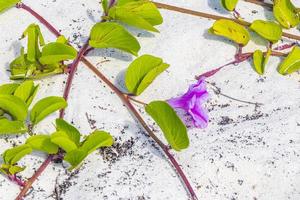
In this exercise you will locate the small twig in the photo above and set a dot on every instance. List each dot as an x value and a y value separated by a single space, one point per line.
56 189
217 91
90 121
135 100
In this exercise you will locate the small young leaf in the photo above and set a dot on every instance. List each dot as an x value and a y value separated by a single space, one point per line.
231 30
13 155
142 71
113 35
260 61
8 88
12 127
96 140
291 63
286 13
42 143
75 157
62 139
35 40
268 30
71 131
141 14
229 4
14 106
45 107
105 5
6 4
15 169
173 128
26 91
56 52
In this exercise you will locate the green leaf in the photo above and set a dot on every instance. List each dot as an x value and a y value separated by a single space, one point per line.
35 40
231 30
15 169
42 143
268 30
142 72
171 125
6 4
286 13
8 88
229 4
75 157
71 131
291 63
26 91
141 14
12 127
113 35
45 107
56 52
96 140
13 155
260 61
105 5
14 106
62 139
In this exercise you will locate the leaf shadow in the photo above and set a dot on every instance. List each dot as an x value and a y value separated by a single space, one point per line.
217 5
120 81
113 53
213 37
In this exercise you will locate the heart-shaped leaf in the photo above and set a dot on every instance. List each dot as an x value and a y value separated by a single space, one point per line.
62 139
260 61
45 107
6 4
56 52
142 71
291 63
96 140
229 4
231 30
14 106
8 88
42 143
286 13
141 14
13 155
113 35
268 30
12 127
171 125
71 131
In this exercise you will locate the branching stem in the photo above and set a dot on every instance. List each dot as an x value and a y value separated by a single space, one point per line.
123 97
214 17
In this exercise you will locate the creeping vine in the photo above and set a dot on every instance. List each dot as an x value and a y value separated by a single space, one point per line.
40 60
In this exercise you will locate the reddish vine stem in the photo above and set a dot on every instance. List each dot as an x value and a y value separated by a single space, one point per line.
214 17
126 100
122 96
34 177
16 180
73 69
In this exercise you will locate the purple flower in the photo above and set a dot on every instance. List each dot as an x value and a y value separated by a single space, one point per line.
192 102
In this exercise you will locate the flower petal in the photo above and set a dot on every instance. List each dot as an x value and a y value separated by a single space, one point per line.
198 113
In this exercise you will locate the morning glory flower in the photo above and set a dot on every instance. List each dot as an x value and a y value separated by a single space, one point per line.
192 102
